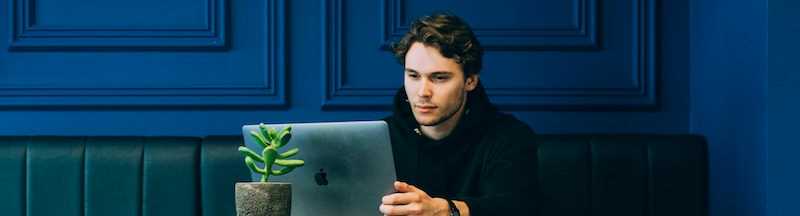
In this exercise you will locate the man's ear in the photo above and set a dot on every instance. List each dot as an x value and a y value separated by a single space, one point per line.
472 82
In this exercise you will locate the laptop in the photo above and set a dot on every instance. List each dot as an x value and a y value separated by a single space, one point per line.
348 166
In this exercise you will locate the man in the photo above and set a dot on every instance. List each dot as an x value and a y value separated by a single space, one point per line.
455 154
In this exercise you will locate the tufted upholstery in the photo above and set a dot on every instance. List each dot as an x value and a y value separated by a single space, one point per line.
173 176
623 175
72 176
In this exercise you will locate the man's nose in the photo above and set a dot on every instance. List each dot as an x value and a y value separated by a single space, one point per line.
424 89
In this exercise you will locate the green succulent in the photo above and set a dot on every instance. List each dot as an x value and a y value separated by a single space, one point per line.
271 139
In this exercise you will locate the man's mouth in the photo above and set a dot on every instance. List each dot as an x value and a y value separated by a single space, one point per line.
425 108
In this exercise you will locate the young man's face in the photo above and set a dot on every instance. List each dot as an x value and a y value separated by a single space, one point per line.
435 85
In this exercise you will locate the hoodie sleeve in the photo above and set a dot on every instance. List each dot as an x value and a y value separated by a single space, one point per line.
509 176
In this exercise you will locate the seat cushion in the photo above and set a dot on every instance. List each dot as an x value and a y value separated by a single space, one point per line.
579 174
622 175
119 175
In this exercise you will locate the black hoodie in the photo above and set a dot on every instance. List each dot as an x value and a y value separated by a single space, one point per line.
488 161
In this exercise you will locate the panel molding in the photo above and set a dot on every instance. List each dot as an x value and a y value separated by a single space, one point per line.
335 93
582 34
26 35
269 94
640 96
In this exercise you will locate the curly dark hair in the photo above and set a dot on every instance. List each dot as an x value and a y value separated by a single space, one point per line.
450 34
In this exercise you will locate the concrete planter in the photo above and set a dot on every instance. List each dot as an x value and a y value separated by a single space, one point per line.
263 199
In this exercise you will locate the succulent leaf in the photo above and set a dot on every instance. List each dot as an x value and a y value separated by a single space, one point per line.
284 139
282 171
284 131
261 140
289 153
290 163
271 133
250 154
271 140
265 133
252 166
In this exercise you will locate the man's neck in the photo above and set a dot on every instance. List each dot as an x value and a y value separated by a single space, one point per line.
443 129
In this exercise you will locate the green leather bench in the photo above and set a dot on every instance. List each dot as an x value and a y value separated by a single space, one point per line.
172 176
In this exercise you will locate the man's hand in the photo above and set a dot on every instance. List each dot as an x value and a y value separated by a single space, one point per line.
410 200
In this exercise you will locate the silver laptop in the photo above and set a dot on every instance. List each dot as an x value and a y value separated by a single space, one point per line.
348 166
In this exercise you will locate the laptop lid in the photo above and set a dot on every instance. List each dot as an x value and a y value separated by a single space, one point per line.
348 167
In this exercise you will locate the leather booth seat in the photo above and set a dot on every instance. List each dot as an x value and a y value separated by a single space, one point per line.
172 176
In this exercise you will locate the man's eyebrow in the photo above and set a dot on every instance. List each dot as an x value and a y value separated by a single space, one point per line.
435 73
439 73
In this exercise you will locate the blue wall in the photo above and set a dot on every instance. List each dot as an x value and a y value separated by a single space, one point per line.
207 67
728 100
783 104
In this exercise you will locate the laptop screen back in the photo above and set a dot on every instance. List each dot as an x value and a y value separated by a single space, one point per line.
348 166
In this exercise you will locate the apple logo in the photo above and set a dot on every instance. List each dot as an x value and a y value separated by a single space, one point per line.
321 177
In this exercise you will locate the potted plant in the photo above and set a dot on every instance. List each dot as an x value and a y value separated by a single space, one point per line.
267 198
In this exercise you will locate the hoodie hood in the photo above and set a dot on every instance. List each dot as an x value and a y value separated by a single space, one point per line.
477 110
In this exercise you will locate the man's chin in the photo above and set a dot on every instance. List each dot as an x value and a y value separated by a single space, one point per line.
428 122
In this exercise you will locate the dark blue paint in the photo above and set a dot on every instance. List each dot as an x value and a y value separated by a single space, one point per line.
160 91
250 74
783 105
141 14
563 24
573 82
118 25
526 77
728 100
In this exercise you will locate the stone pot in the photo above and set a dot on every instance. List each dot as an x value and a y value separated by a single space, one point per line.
263 198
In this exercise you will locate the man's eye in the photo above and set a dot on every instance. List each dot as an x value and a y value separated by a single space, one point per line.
413 76
441 78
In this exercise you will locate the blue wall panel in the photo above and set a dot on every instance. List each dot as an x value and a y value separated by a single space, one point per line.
206 67
102 65
63 24
783 106
564 66
518 73
567 24
728 100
